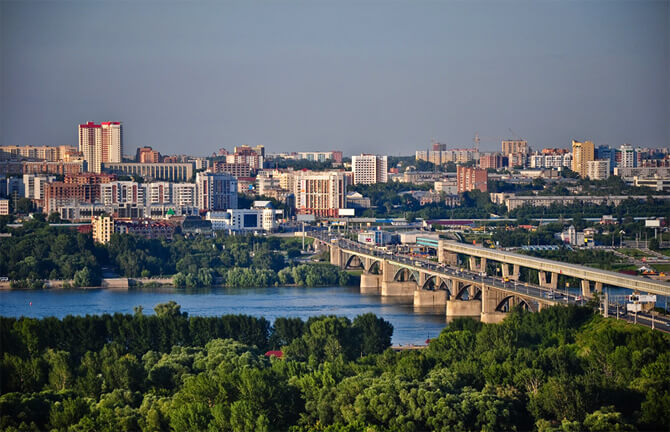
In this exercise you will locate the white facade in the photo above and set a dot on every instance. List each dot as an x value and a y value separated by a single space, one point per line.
598 169
183 194
550 160
369 169
241 220
627 156
101 143
33 185
112 143
122 192
449 187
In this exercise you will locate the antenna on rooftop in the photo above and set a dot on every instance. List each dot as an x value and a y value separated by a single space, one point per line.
476 140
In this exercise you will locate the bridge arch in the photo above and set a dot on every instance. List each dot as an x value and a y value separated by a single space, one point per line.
505 305
354 261
375 267
436 283
473 292
405 275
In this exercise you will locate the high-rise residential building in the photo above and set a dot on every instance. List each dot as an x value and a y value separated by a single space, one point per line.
369 169
628 158
471 178
100 143
321 193
102 228
491 160
515 146
4 207
598 169
215 191
603 152
582 153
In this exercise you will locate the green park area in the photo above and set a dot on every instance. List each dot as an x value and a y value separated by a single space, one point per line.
562 369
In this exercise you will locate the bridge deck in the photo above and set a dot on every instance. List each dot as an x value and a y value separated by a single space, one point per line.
573 270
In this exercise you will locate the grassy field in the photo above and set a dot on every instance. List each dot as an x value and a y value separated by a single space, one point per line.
665 268
631 252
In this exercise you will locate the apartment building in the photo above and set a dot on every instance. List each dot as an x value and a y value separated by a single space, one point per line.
582 153
491 161
101 143
102 228
33 185
321 194
176 172
147 155
369 169
215 191
470 179
598 169
234 169
58 168
44 153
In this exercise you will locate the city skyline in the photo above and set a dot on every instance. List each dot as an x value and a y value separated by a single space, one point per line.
198 77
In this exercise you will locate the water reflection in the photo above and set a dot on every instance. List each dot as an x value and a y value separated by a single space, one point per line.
410 326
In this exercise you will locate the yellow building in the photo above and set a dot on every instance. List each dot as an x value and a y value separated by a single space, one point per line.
102 228
582 153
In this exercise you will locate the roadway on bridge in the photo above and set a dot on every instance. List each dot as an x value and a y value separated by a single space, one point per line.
536 292
525 289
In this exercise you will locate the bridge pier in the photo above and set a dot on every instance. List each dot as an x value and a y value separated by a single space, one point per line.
446 257
586 288
398 289
464 308
482 264
516 270
370 283
336 256
429 298
551 283
493 317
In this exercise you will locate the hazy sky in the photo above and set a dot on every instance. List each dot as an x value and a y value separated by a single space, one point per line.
360 76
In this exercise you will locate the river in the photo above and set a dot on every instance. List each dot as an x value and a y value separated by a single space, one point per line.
410 326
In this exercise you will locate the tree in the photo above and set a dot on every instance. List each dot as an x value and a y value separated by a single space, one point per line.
653 244
83 278
168 310
375 333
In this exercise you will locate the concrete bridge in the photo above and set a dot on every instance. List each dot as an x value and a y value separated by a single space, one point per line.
548 270
458 293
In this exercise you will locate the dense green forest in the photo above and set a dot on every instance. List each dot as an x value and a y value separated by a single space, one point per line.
562 369
38 251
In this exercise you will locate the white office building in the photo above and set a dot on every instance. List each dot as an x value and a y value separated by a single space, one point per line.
369 169
598 169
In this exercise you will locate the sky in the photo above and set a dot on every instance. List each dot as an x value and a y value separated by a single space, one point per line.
383 77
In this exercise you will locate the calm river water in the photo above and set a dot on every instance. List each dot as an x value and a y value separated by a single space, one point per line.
410 326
